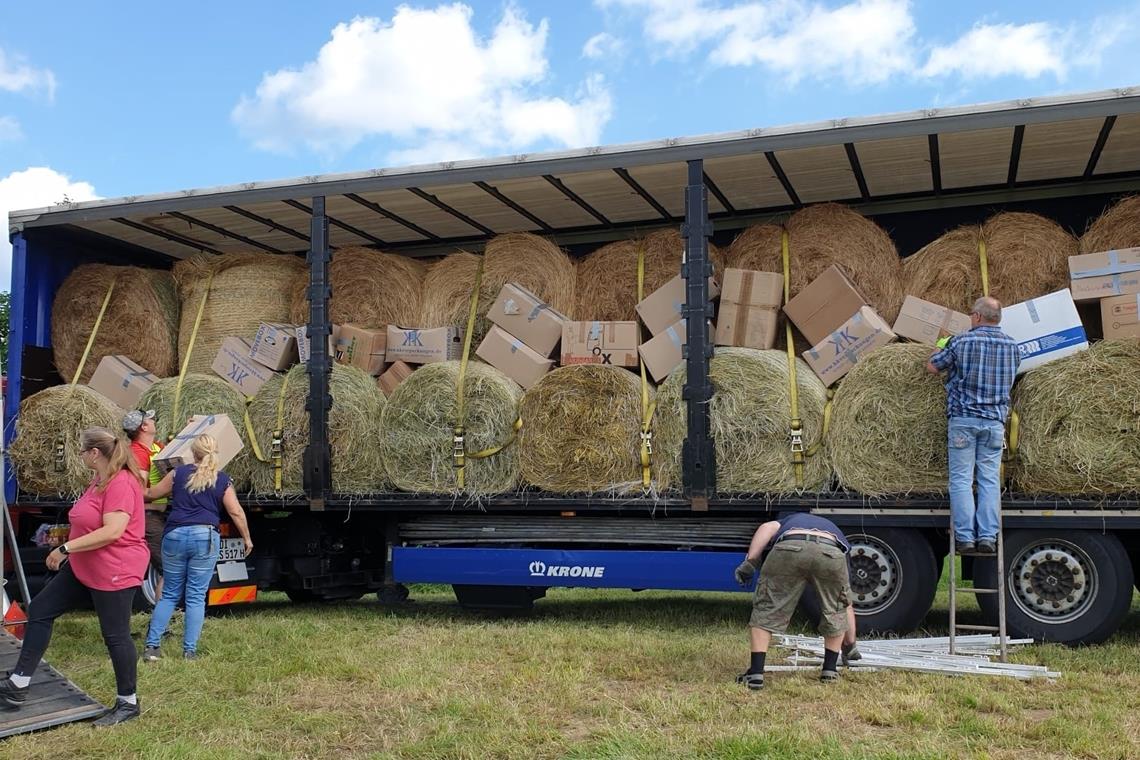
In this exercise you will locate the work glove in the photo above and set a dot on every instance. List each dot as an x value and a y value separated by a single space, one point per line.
943 342
744 572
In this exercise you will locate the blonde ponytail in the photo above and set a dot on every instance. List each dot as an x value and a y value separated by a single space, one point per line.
205 451
117 452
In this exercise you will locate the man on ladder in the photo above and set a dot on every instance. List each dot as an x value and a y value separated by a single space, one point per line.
980 365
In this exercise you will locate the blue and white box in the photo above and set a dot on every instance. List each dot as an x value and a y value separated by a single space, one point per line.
1046 329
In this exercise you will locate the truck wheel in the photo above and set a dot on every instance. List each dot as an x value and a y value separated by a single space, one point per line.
147 595
1072 590
893 579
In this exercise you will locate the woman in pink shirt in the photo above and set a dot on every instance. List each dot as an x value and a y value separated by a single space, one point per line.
101 563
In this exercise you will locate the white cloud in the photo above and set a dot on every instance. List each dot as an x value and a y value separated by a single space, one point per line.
994 50
427 80
33 188
10 130
602 45
18 76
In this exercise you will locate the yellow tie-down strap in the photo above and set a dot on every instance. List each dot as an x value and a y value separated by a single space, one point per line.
94 332
276 452
1013 439
176 408
459 433
984 267
647 408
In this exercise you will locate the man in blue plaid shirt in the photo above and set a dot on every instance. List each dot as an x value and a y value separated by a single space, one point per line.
981 365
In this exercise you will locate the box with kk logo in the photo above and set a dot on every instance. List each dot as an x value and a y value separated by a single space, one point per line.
235 365
423 346
838 353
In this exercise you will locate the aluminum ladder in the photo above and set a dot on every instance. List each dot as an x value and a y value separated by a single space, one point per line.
955 627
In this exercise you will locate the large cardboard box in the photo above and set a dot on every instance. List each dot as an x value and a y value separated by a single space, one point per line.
834 357
600 343
393 376
234 365
745 326
1045 328
121 380
524 315
1119 316
178 451
424 346
303 352
826 303
275 345
1109 273
662 307
512 357
665 352
747 286
928 322
362 347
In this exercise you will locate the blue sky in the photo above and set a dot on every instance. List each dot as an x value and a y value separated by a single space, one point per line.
111 99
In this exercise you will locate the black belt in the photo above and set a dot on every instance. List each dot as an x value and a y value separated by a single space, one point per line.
812 537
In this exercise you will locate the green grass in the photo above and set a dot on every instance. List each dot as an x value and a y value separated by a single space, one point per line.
590 674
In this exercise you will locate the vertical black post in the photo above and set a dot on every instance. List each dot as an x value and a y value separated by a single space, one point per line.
318 474
698 456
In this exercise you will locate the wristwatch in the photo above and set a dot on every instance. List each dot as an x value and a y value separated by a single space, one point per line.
63 549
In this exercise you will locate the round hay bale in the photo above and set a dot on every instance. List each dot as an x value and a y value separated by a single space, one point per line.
418 421
750 415
369 289
201 394
1028 257
822 235
141 320
1080 423
607 278
521 258
354 430
58 415
1118 227
581 431
888 424
247 289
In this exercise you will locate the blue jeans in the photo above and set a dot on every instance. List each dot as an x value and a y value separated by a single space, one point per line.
975 444
189 554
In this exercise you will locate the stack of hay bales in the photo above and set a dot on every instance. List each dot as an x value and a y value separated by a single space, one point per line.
369 289
1118 227
607 278
353 430
247 289
201 395
750 415
521 258
581 431
419 419
822 235
1080 423
888 425
141 320
56 416
1028 257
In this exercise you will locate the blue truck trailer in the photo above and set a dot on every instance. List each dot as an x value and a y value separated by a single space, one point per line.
917 174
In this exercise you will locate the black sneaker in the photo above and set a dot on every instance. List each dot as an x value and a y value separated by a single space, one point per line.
754 681
985 546
188 655
829 676
120 713
966 547
11 694
152 654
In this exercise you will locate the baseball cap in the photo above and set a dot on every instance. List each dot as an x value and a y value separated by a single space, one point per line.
134 419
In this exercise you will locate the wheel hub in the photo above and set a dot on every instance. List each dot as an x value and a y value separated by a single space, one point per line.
1053 582
874 574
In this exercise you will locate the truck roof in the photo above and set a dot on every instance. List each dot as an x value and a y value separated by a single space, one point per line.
938 157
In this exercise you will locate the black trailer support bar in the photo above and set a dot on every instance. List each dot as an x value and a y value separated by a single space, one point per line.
698 457
318 473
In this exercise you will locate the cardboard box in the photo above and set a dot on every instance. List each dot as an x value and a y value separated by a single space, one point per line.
275 345
512 357
1093 288
362 348
1119 316
524 315
600 343
662 307
121 380
178 452
745 326
665 353
393 376
834 357
927 322
424 346
234 365
1100 275
1045 328
828 302
752 288
303 352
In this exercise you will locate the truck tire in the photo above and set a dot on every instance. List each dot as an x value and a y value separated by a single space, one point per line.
1071 588
893 579
147 595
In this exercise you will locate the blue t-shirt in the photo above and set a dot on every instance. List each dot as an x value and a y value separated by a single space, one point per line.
201 508
804 521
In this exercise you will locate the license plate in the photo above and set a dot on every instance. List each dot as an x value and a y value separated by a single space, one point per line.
232 549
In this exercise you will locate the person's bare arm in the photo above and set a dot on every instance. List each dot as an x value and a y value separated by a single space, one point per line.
114 523
760 539
931 368
161 489
237 514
